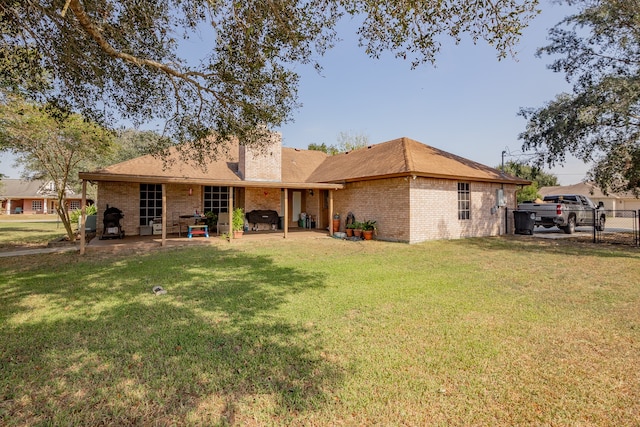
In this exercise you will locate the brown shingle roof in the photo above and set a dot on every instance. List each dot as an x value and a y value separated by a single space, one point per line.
298 165
400 157
404 156
223 168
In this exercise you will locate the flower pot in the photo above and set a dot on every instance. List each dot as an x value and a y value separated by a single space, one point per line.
349 232
336 224
237 234
357 232
367 234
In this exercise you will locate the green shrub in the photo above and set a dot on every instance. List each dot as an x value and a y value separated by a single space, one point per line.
74 216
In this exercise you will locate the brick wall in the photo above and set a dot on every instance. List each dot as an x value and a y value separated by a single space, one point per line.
262 199
421 209
435 210
384 201
404 209
124 196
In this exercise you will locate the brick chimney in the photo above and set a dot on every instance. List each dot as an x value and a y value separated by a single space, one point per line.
262 163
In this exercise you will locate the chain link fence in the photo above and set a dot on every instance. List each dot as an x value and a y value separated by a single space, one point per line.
622 227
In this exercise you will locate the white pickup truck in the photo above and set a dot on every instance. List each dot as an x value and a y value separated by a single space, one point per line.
566 211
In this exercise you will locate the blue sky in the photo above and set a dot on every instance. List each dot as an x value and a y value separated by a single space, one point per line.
467 104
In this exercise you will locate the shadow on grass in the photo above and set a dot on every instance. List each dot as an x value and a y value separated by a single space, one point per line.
86 343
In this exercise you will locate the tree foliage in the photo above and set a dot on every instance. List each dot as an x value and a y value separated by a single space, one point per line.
349 141
532 173
599 52
131 143
318 147
346 141
136 59
52 144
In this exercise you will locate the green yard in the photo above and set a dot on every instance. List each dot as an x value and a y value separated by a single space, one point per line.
28 233
501 331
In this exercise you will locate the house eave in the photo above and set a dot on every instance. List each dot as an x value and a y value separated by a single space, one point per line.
147 179
438 176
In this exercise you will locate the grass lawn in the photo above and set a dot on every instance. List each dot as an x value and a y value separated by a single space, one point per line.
25 231
500 331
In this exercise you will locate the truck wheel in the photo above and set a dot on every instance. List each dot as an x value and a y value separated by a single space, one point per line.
571 225
600 225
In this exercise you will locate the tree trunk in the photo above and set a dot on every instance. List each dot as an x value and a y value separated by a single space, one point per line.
64 217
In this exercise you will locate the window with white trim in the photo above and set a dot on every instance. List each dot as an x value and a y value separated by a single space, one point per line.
464 201
36 205
74 205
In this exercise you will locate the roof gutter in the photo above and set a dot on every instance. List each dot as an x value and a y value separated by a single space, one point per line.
517 181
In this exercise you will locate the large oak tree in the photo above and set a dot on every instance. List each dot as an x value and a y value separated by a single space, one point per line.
136 59
598 49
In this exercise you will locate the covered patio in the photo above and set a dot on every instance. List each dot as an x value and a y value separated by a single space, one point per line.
151 191
173 200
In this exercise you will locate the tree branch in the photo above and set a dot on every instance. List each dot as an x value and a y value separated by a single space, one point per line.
85 22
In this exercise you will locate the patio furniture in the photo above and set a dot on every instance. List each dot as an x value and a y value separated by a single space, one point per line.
198 230
223 223
187 220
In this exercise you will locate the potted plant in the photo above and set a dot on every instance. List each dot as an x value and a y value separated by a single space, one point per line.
210 219
336 222
368 227
237 223
349 229
357 229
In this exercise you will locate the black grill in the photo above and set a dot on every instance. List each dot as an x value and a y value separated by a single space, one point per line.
112 228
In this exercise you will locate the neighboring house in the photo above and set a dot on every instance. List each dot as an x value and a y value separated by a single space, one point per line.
33 197
612 201
415 192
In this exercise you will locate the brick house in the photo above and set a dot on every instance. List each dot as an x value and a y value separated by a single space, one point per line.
19 196
415 192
